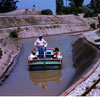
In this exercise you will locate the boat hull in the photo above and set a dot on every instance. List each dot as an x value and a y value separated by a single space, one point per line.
47 63
44 67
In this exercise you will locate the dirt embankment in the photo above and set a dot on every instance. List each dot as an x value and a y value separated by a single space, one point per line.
21 20
22 12
9 49
33 25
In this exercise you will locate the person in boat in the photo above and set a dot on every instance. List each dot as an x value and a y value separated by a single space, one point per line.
41 44
33 55
57 54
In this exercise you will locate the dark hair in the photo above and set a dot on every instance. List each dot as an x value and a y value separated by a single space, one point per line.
40 37
56 49
34 49
33 53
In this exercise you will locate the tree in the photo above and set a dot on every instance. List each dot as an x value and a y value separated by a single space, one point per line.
94 6
76 3
8 5
34 7
59 7
97 6
76 6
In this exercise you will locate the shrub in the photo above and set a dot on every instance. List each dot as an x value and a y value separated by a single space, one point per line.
26 10
13 34
93 25
89 14
46 12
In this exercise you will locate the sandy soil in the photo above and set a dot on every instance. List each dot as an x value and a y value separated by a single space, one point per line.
9 49
22 12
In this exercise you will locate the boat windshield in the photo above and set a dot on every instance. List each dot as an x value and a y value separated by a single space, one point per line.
48 53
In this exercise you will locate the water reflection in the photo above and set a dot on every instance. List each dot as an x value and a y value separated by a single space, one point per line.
41 78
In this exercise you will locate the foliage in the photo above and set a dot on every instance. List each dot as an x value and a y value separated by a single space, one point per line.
95 6
13 34
76 3
59 7
90 14
26 10
8 5
93 25
46 12
76 7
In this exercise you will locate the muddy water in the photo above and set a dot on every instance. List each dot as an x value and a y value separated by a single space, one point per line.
22 82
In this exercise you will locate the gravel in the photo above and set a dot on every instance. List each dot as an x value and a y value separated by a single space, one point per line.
88 82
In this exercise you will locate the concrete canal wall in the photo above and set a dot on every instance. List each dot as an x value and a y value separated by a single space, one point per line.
85 54
86 57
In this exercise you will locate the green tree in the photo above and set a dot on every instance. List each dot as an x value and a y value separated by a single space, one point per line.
97 6
76 6
94 6
8 5
59 7
76 3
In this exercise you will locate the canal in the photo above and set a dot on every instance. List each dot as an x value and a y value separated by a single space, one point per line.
22 82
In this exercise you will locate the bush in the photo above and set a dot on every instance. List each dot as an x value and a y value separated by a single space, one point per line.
46 12
89 14
26 10
8 5
13 34
93 25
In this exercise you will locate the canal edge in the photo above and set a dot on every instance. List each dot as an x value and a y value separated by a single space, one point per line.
66 92
9 69
84 77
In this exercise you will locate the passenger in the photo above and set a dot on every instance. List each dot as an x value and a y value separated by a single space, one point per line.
57 54
41 44
33 55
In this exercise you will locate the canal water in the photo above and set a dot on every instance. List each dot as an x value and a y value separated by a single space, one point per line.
22 82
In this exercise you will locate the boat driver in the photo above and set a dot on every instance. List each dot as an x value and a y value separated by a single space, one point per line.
41 44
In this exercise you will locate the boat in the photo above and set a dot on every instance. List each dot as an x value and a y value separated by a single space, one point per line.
46 63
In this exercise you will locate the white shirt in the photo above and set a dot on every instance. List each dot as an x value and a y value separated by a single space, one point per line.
58 56
31 56
39 42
